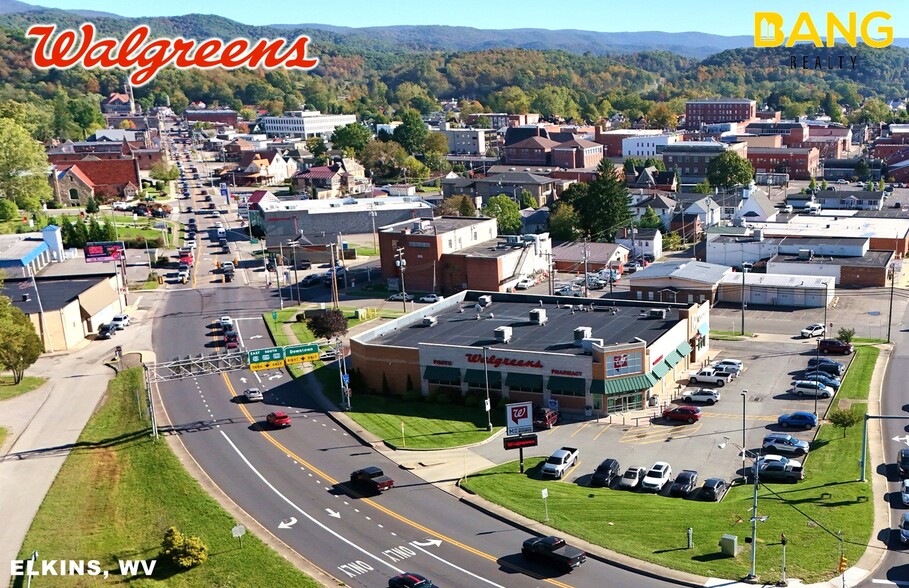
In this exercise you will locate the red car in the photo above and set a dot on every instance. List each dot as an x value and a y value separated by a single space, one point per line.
835 346
278 419
686 414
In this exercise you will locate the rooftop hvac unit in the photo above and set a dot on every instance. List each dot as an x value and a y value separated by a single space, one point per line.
758 234
538 316
587 344
514 239
430 321
503 334
484 300
658 313
806 254
580 334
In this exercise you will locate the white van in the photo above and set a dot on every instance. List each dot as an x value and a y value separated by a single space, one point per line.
813 208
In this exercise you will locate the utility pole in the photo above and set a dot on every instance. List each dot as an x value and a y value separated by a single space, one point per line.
745 267
890 313
551 274
343 261
402 265
334 278
586 256
433 276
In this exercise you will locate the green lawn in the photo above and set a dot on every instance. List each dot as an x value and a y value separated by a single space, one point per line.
653 527
366 250
729 335
427 425
118 492
867 341
10 390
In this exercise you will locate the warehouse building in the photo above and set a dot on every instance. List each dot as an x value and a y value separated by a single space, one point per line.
588 356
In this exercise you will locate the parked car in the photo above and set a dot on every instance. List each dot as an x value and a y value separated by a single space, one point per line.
226 322
807 388
431 298
182 276
835 346
904 492
736 363
686 414
904 528
826 365
657 477
705 395
253 395
902 462
544 418
684 484
106 331
822 377
814 330
120 321
399 297
568 291
606 473
632 477
783 443
799 419
278 419
310 280
714 489
524 284
410 580
841 181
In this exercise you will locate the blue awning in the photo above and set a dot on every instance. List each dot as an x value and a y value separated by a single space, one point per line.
704 329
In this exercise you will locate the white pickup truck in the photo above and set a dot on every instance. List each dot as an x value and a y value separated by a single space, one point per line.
709 376
559 462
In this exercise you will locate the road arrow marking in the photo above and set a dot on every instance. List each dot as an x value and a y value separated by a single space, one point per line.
435 542
332 513
288 523
903 439
274 377
255 337
243 380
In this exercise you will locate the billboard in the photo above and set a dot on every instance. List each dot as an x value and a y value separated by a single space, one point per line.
519 417
103 251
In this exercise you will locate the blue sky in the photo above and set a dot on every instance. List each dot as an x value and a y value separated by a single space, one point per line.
723 17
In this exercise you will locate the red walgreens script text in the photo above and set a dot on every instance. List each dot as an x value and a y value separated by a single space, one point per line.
148 57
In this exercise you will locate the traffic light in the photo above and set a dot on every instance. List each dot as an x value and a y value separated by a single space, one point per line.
843 564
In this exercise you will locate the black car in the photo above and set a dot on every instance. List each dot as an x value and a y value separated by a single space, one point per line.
835 369
902 461
605 473
106 331
684 484
310 280
304 264
714 489
409 580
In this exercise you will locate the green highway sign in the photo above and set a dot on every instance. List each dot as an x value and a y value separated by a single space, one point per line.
300 353
253 241
266 359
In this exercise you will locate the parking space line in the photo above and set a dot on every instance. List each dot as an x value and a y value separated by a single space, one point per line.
569 472
689 432
655 435
739 416
581 428
605 428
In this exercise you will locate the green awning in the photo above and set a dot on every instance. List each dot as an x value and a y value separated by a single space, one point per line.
684 349
622 385
566 385
478 378
673 358
704 329
660 369
437 373
525 381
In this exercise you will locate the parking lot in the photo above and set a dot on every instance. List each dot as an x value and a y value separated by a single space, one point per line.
636 439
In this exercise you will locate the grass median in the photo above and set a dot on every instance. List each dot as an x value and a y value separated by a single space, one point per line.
653 528
118 492
8 389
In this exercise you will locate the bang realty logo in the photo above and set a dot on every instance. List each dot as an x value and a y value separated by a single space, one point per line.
770 31
146 57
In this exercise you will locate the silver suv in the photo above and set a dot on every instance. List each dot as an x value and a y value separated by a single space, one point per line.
783 443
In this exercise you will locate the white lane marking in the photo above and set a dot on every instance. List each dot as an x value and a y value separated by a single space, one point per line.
448 563
301 511
891 582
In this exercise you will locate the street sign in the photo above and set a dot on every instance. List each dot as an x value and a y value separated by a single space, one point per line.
253 241
520 442
266 359
294 354
238 531
345 378
519 418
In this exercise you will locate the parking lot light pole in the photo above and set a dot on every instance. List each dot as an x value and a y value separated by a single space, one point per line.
486 377
817 368
752 575
744 398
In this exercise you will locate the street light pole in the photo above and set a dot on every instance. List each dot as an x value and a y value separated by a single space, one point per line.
402 265
752 576
745 268
817 369
486 377
744 398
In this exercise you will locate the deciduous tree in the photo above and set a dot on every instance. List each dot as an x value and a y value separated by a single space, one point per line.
328 324
23 167
457 205
729 169
650 220
20 345
844 418
412 133
563 223
506 212
353 136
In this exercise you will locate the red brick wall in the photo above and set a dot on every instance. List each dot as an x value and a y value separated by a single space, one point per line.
395 363
863 276
483 273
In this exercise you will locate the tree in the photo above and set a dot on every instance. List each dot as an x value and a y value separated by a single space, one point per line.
844 418
383 159
86 113
812 185
654 162
845 335
436 144
823 184
184 552
457 205
672 242
412 133
506 212
563 223
91 206
8 209
650 220
20 345
126 125
728 170
163 172
602 205
328 324
862 170
353 136
317 146
661 117
23 167
528 200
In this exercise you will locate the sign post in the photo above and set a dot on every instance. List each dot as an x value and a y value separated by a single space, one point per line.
519 420
268 358
545 493
238 532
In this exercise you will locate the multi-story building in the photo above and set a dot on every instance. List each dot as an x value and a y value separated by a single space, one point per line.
531 151
498 120
647 145
800 164
224 116
303 123
718 110
691 158
577 153
611 140
792 133
469 141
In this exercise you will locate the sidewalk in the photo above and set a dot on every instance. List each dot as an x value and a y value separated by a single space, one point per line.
44 424
445 468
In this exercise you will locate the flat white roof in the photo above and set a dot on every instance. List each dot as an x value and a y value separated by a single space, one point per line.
838 224
778 280
331 205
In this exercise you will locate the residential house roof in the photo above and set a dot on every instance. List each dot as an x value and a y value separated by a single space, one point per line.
695 271
763 203
706 204
534 143
322 172
515 178
108 171
596 252
117 98
657 202
74 169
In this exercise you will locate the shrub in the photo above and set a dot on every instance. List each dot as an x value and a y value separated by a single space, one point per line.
53 204
301 316
845 334
412 396
162 261
445 398
184 552
471 400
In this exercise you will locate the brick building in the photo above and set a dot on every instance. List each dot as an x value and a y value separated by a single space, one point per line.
691 158
71 186
530 151
718 110
110 179
800 164
577 153
611 140
224 116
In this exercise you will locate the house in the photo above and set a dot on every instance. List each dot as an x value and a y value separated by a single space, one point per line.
71 186
511 184
662 205
707 210
678 281
112 179
653 179
331 181
266 167
570 257
118 102
534 221
688 226
756 206
850 200
641 242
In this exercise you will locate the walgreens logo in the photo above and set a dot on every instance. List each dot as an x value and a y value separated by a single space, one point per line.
146 57
497 362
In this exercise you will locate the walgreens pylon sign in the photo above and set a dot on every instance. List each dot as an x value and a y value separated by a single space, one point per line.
146 57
